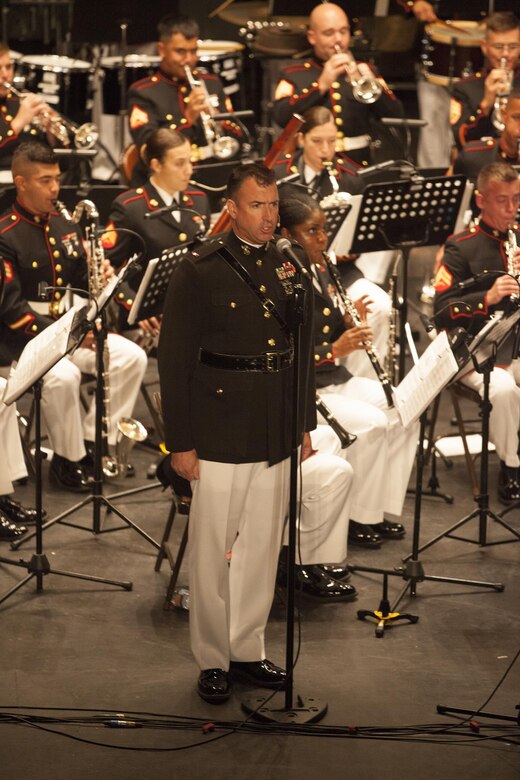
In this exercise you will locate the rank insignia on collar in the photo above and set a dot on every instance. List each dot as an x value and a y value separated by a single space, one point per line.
245 249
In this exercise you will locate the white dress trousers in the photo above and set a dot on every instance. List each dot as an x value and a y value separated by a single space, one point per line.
382 456
12 463
66 423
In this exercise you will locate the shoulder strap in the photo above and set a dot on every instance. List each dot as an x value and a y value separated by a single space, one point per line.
267 303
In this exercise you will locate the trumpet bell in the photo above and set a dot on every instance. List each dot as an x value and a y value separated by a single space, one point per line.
131 429
367 90
86 136
225 147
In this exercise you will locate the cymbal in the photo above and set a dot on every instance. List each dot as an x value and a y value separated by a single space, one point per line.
257 11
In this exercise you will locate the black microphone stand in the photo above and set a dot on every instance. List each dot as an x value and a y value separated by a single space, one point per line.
267 707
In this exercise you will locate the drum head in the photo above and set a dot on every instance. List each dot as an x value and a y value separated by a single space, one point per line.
213 49
473 34
55 63
131 61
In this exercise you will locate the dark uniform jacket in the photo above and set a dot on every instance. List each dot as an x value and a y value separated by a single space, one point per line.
9 140
34 250
328 326
466 254
230 416
160 233
468 122
297 91
160 101
475 155
344 170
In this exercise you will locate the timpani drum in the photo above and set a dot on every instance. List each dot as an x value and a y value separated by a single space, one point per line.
224 59
64 83
452 54
137 66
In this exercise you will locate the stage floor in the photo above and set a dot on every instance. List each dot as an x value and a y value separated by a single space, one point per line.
82 645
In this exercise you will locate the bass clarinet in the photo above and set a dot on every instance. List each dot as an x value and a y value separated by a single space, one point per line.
353 313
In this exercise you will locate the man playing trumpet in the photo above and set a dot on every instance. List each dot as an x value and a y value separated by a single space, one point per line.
327 80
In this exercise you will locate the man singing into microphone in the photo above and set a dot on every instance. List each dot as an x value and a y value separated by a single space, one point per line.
225 364
468 254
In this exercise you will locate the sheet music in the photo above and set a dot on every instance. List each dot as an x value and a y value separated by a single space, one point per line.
436 367
42 352
145 281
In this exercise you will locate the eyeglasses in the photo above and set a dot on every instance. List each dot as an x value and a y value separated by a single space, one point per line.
500 47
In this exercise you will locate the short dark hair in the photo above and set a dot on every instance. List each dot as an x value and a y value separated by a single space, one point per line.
256 170
296 206
160 142
513 95
315 117
499 171
33 152
171 24
502 21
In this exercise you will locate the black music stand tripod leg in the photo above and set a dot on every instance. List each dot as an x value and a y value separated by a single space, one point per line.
38 566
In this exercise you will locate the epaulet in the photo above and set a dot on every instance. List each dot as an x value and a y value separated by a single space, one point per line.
299 67
465 234
144 82
480 145
194 192
207 249
127 197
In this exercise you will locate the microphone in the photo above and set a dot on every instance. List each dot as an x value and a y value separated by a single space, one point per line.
403 166
401 122
285 248
470 281
427 323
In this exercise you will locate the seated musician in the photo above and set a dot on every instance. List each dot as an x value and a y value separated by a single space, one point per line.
17 116
466 255
316 145
38 245
384 449
476 154
166 98
322 81
472 111
167 156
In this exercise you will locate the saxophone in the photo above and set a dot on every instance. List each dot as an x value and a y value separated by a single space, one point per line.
351 310
129 430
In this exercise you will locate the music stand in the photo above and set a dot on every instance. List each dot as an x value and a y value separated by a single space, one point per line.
436 367
403 215
149 300
336 216
96 498
40 354
483 351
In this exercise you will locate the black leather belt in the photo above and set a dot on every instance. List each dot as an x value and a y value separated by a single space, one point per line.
267 363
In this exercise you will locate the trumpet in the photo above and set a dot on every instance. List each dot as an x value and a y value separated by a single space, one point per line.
351 310
85 136
502 97
223 147
365 89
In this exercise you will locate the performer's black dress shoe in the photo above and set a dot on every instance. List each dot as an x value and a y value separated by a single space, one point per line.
69 475
313 582
262 673
336 571
16 512
213 686
389 530
8 530
508 484
363 535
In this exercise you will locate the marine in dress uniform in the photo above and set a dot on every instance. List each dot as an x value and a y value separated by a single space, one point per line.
44 247
225 365
161 233
166 99
467 254
299 89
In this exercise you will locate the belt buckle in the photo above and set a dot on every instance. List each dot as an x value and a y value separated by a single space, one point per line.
271 362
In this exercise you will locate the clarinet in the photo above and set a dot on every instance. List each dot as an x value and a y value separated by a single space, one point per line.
351 310
511 249
343 435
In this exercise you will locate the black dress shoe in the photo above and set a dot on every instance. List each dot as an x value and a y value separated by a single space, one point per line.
8 530
508 484
313 582
69 475
213 686
18 513
389 530
262 673
336 571
363 535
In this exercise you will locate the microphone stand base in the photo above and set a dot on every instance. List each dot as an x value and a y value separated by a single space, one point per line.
270 708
